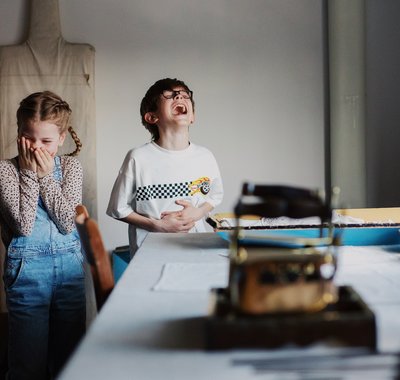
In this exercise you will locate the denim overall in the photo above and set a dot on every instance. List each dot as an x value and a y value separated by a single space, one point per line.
45 289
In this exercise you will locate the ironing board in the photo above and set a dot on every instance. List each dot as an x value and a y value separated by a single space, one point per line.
45 61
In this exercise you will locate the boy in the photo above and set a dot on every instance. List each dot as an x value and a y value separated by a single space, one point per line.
168 184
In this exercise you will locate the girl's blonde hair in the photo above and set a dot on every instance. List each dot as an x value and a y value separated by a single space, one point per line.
47 106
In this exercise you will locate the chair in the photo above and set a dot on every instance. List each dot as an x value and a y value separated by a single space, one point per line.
96 255
82 210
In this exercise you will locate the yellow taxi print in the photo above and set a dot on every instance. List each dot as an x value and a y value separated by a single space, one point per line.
201 185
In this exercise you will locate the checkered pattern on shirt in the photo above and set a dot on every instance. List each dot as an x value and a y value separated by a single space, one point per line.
163 191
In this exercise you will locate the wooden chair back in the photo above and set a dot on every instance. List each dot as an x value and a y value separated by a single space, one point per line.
96 255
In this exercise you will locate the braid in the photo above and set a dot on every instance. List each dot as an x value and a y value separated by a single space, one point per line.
63 104
77 142
46 106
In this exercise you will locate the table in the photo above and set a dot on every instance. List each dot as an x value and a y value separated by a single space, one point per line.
142 333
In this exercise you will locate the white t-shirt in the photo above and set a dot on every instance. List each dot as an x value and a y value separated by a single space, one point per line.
151 179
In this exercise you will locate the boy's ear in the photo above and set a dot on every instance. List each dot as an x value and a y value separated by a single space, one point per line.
150 117
192 120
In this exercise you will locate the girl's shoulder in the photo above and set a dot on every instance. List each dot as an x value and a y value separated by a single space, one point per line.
10 164
8 171
70 162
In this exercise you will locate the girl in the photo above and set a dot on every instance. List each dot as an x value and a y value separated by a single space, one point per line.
44 275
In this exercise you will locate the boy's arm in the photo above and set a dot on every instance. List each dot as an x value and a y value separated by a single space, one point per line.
121 200
189 211
173 222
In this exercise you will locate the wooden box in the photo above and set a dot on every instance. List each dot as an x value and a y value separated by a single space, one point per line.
349 322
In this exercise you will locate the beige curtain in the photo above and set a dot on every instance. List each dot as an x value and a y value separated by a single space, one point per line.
47 62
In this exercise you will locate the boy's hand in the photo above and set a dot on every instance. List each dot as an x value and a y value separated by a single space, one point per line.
26 158
174 222
171 221
189 212
45 162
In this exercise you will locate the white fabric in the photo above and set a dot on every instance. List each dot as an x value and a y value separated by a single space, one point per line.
186 277
153 335
151 165
285 221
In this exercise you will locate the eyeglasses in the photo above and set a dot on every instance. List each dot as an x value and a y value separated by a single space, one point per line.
170 94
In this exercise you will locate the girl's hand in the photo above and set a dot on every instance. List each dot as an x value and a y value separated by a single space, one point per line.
45 162
26 158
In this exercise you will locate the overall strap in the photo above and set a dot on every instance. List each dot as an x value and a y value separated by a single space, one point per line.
57 173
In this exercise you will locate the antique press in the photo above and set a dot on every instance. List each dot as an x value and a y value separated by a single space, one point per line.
281 286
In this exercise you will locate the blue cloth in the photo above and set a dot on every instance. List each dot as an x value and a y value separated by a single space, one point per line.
45 292
358 236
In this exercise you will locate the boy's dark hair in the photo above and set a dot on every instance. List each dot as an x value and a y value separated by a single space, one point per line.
150 101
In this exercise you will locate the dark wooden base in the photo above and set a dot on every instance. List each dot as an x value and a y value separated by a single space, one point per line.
348 322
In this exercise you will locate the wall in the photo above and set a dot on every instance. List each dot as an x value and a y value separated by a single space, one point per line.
347 98
254 66
382 101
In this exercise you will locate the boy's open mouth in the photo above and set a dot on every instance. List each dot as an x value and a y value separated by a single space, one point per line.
179 109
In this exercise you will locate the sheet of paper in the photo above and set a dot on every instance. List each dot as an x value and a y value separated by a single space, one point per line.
192 276
370 270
